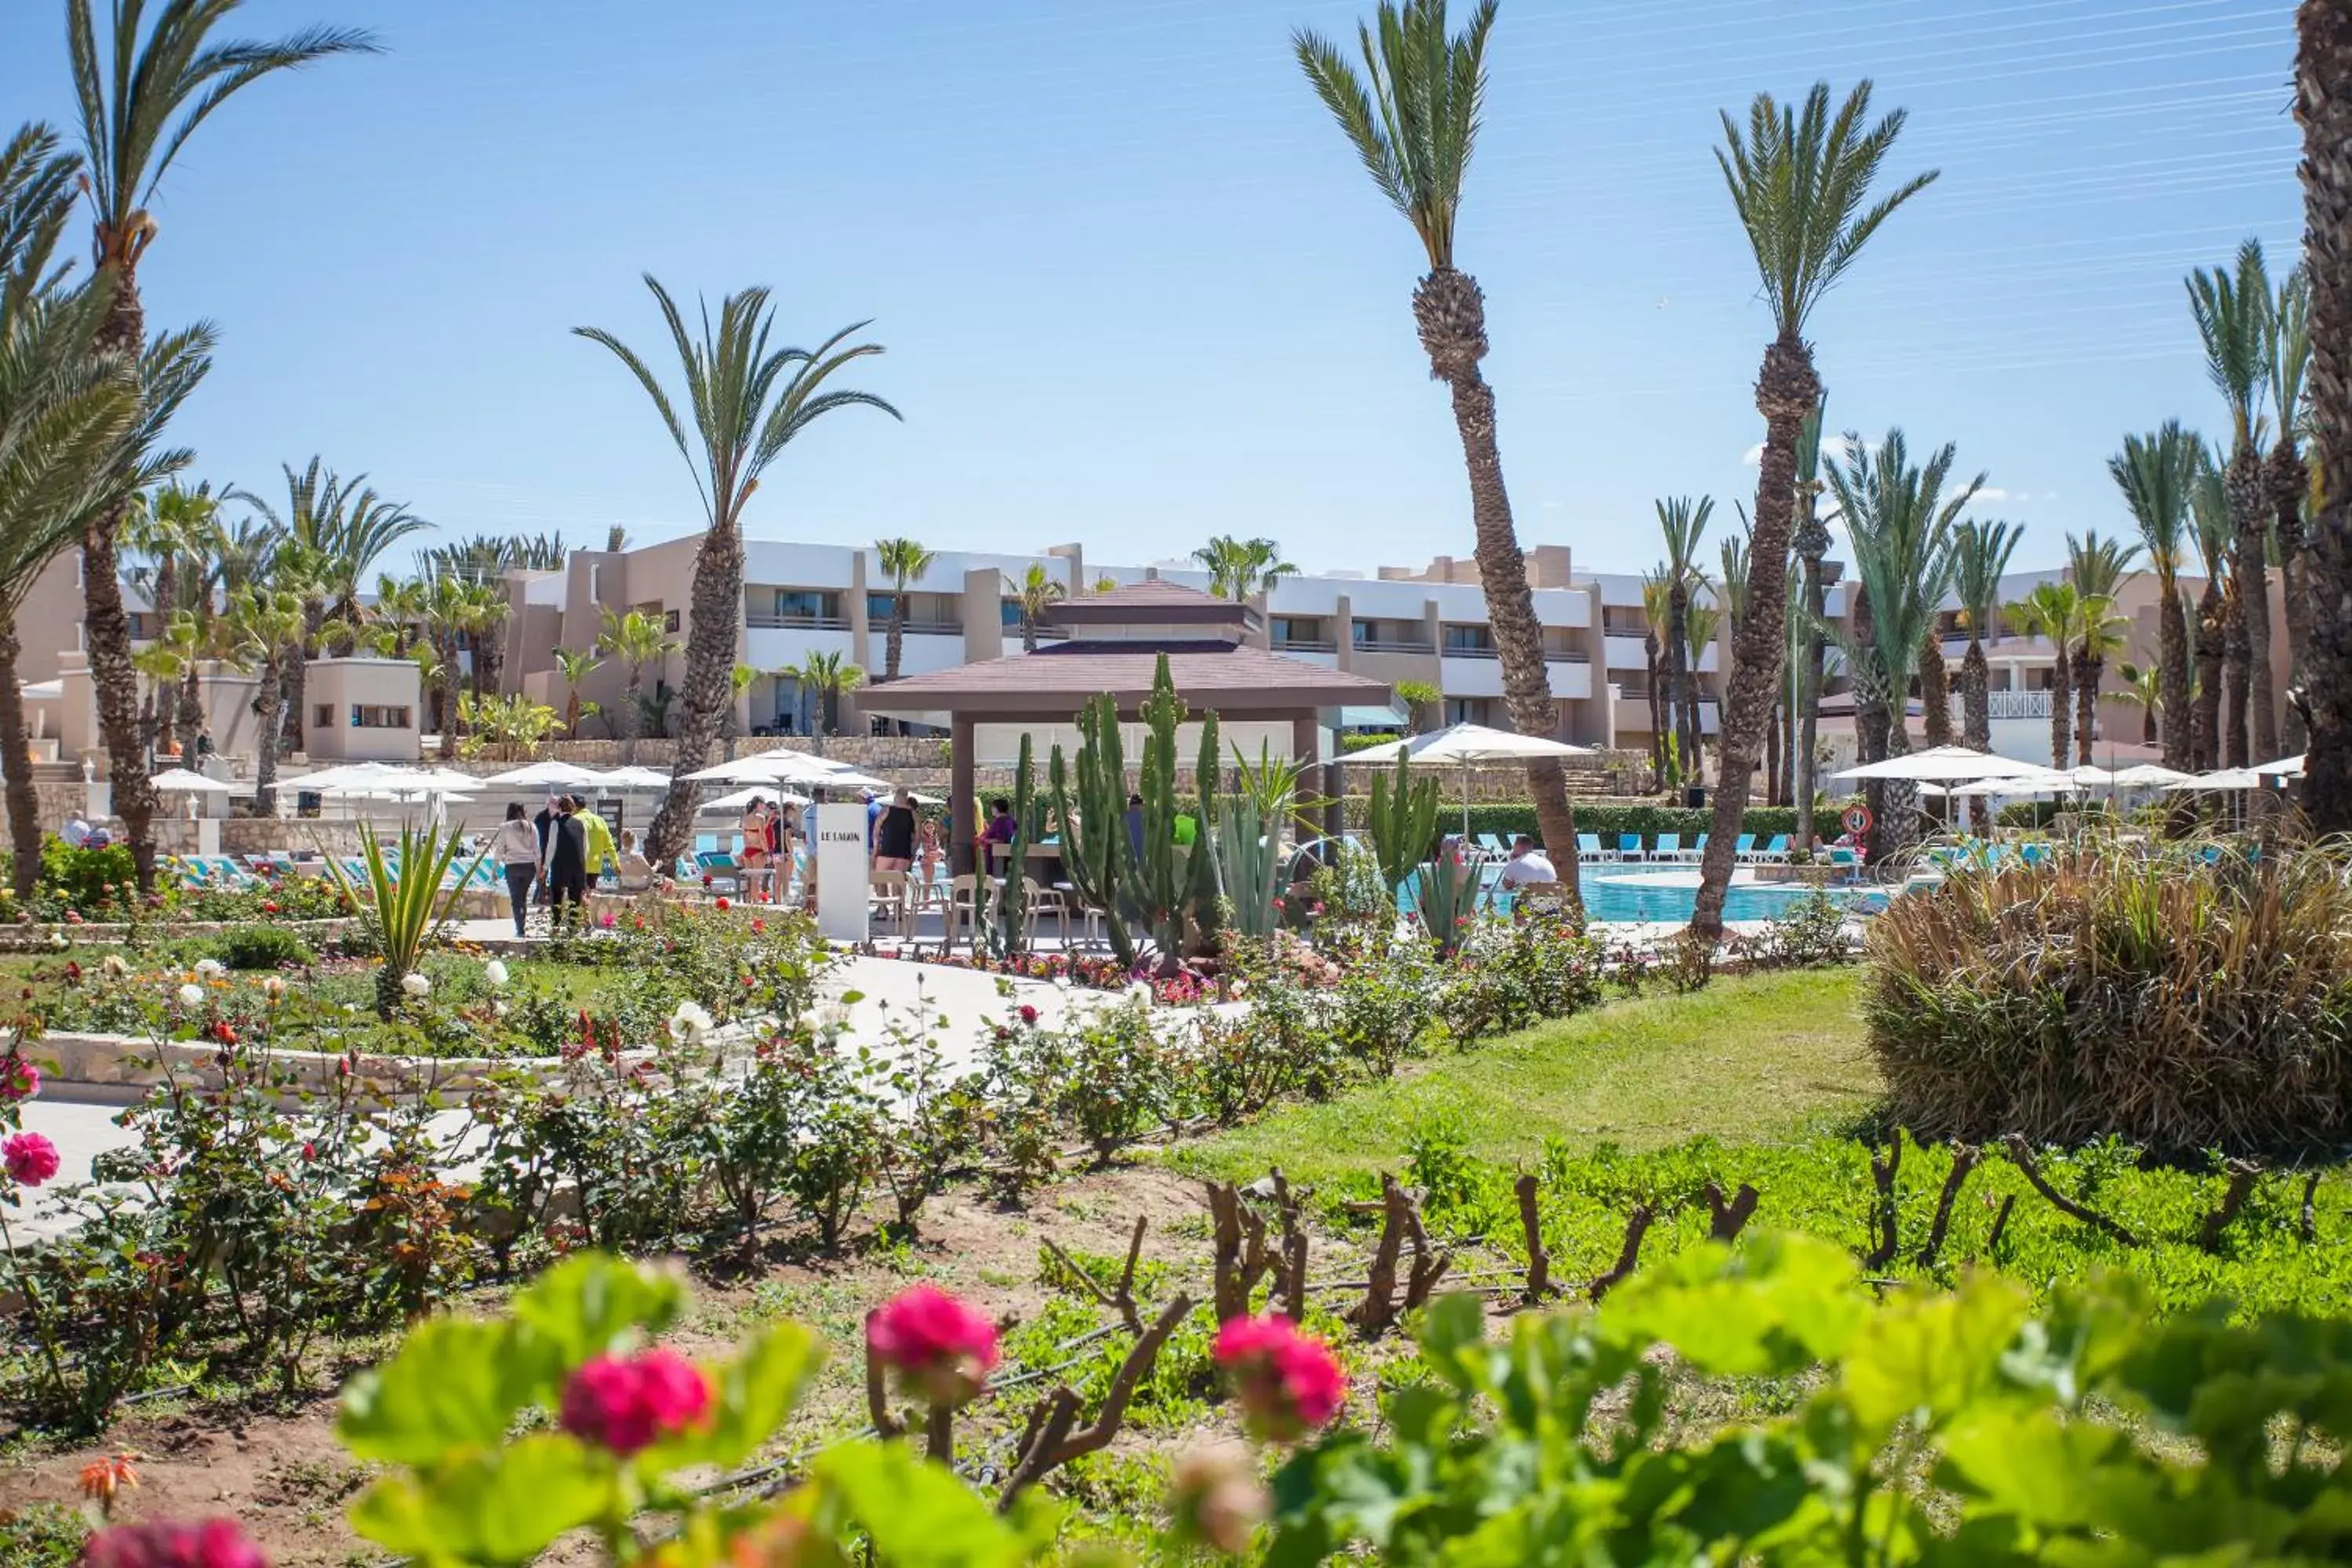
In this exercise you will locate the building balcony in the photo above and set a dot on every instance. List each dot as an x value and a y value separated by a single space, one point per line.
1417 648
2008 705
1306 645
760 623
931 628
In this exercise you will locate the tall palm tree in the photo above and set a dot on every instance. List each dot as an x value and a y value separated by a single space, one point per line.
2156 473
1701 624
1657 619
1801 182
1733 597
904 561
1902 523
575 669
2099 568
1683 523
2287 478
2143 687
2323 108
1980 557
167 528
1238 568
141 91
2221 628
1033 598
2052 610
636 639
1809 540
738 681
1412 117
64 412
747 401
266 630
2232 311
827 676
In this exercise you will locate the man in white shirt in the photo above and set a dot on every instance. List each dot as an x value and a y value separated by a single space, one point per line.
1529 864
76 831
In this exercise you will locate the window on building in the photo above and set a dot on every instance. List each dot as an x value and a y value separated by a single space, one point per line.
1297 629
378 716
322 715
1466 710
670 620
807 605
1361 632
1469 639
1012 616
878 607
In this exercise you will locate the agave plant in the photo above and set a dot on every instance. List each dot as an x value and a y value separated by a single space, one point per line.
402 892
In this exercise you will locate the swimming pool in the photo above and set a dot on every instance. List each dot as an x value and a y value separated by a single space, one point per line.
1628 894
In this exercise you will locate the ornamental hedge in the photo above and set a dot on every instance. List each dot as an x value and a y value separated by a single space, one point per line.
1504 818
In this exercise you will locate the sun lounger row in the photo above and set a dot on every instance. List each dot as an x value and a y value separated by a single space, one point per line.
1670 848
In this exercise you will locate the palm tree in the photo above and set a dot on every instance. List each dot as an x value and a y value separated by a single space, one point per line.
65 412
903 561
1033 598
1801 182
1657 619
167 528
827 675
1412 118
141 91
1810 541
1701 624
266 628
2099 568
1733 598
575 668
2156 473
2142 689
1683 522
738 681
1980 557
1237 568
747 401
1903 528
1422 701
636 639
2220 630
2233 318
2052 610
2322 106
2287 479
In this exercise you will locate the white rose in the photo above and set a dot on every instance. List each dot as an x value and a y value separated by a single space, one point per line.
690 1024
274 988
498 1009
416 985
192 996
495 972
58 939
115 966
210 968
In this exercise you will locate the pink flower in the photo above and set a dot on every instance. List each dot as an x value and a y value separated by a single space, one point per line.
19 1079
935 1342
31 1159
1028 1014
625 1405
171 1543
1288 1382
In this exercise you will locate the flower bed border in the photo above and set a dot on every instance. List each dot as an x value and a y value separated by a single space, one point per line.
121 1062
38 937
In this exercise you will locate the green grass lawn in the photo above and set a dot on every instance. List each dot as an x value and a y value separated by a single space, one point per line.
1765 1059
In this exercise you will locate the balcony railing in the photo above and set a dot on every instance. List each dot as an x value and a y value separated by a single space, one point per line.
1304 644
1551 655
929 628
2008 705
760 623
1375 646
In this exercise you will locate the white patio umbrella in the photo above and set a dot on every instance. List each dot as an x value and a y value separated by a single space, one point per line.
181 780
1942 764
1467 746
633 777
2220 779
742 798
2284 768
2150 776
346 777
2045 782
547 775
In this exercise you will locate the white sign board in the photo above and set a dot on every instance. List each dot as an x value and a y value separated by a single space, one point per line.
841 868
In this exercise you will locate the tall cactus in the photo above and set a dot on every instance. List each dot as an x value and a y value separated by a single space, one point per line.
1403 824
1093 809
1013 903
1204 898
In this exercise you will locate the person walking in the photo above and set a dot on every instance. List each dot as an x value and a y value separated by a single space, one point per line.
602 853
545 824
894 835
516 844
567 867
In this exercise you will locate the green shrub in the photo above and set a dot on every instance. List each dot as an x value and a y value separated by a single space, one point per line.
262 947
88 882
2182 1002
1350 743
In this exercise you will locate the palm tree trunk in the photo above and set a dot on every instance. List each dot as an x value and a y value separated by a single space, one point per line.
1772 753
2322 106
895 640
1656 659
1450 315
191 713
632 715
16 767
297 683
2206 734
265 760
106 624
2236 679
2088 672
2250 512
706 684
2178 726
2061 711
1787 390
1975 716
2289 482
1679 672
1934 690
167 598
1809 695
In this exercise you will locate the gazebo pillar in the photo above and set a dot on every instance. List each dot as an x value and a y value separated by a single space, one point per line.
963 807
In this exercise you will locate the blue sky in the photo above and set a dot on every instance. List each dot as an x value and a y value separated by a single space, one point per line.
1134 287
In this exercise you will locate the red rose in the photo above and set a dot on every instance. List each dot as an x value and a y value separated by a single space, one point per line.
30 1158
1028 1014
625 1405
934 1341
723 902
1288 1382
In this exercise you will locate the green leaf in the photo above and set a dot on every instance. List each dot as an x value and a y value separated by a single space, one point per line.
455 1384
1453 1340
499 1508
2054 1473
1928 1356
589 1305
1770 1310
920 1515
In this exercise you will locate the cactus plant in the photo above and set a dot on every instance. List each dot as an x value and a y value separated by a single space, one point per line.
1249 838
1402 823
1093 809
1012 933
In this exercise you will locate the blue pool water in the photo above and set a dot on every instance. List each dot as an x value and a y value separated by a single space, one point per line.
1627 894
